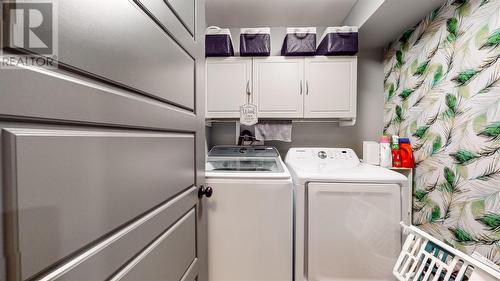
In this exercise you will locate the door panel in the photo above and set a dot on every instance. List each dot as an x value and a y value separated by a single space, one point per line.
184 9
330 87
125 47
228 81
100 157
176 16
191 273
58 174
87 101
352 224
169 257
107 260
278 85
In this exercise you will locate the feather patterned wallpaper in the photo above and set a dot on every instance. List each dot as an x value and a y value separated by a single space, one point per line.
442 90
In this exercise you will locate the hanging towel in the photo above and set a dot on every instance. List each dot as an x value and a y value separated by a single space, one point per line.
274 130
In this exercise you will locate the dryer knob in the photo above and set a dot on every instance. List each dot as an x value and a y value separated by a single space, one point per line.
322 154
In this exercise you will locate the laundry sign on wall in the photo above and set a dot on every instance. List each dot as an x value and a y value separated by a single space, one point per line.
249 112
442 90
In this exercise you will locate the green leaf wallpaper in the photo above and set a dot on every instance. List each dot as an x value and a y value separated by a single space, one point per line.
442 90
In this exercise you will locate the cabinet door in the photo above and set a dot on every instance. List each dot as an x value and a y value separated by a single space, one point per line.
228 82
330 87
278 84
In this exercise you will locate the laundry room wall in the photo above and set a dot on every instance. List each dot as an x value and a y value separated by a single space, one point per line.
442 91
369 123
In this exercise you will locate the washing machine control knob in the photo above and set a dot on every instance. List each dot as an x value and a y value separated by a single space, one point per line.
322 154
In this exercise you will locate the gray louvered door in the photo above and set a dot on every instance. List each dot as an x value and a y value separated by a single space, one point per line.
102 158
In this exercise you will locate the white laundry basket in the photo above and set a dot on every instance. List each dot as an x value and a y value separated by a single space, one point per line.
425 258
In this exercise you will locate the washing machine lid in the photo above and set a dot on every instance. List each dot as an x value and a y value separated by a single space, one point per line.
238 162
244 164
335 165
243 151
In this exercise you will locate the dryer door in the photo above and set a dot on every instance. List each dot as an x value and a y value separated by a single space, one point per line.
353 231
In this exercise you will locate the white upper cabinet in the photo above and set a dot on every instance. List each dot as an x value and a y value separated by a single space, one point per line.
330 87
229 80
283 87
278 87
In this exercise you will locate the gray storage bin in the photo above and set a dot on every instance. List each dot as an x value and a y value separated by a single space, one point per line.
255 41
339 41
218 42
299 41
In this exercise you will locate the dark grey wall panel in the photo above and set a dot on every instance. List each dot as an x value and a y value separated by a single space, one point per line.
169 258
84 101
125 47
105 262
72 187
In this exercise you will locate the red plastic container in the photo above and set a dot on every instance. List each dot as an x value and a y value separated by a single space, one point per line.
407 160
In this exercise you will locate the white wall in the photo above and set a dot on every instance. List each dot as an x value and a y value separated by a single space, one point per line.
253 13
369 123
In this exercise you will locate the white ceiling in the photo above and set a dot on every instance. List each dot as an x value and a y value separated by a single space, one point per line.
274 13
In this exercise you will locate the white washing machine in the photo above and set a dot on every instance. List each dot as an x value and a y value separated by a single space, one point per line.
250 215
347 216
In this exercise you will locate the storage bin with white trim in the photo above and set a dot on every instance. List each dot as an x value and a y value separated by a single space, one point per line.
255 41
339 41
218 42
299 41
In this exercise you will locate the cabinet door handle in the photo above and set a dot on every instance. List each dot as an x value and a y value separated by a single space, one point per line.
248 92
307 88
300 87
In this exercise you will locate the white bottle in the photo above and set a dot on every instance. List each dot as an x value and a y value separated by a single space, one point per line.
371 152
385 152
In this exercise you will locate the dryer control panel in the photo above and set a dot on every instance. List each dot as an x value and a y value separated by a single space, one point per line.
339 157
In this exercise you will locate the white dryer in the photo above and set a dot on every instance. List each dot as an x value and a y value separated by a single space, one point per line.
250 215
347 216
